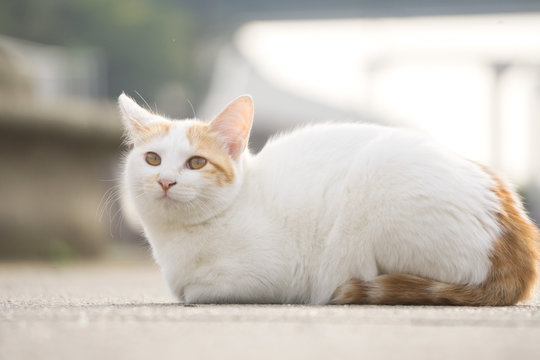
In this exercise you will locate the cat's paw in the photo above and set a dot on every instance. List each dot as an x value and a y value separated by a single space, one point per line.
353 291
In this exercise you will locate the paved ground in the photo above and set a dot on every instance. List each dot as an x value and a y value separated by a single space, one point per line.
98 311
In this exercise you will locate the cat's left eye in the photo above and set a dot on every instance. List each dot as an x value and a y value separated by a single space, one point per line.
196 162
152 158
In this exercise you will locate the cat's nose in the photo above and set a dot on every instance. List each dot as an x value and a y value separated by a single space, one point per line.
166 184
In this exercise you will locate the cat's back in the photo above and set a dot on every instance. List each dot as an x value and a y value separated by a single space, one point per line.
322 149
324 153
369 163
321 141
329 152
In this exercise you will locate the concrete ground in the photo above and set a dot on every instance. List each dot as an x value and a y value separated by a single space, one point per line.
100 311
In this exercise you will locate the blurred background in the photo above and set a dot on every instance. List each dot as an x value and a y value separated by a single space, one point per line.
466 72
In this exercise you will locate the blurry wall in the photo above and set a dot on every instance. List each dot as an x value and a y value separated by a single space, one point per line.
56 144
53 72
51 163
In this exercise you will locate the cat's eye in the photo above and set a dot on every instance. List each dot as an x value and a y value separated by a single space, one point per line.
152 158
196 162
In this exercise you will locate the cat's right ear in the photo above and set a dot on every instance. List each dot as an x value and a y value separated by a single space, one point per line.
233 125
136 119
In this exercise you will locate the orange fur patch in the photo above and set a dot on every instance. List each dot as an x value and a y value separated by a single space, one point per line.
146 133
516 253
512 276
221 169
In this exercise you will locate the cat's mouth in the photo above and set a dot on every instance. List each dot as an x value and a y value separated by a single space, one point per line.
176 197
165 196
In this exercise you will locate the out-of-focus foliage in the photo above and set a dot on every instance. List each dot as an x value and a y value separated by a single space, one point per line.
146 43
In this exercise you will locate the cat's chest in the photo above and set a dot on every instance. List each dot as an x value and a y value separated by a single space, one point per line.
186 248
192 252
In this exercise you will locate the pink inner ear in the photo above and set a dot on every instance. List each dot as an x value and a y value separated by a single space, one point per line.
233 125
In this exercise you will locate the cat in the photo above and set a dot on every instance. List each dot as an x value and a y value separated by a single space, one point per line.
326 214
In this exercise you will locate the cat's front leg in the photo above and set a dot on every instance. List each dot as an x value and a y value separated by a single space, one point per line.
244 287
206 294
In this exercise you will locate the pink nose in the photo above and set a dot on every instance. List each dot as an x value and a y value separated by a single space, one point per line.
166 184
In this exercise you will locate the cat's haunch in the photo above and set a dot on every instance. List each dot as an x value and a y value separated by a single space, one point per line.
333 213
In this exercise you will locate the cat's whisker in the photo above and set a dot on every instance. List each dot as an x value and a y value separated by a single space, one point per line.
192 108
113 220
117 180
143 99
108 199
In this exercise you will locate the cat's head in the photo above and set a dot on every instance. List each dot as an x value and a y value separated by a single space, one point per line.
184 171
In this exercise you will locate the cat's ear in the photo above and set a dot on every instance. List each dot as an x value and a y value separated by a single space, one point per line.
135 118
233 125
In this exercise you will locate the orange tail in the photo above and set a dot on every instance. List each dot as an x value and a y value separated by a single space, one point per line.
399 289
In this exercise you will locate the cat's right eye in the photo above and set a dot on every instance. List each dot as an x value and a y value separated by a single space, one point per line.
152 158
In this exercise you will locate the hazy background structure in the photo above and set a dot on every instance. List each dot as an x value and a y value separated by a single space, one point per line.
465 72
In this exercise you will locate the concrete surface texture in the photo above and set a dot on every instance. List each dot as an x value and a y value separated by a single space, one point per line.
100 311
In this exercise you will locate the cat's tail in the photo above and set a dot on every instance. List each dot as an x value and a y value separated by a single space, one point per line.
400 289
511 279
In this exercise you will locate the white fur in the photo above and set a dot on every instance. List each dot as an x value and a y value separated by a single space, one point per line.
313 209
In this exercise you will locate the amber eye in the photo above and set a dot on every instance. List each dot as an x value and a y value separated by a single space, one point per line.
196 162
153 159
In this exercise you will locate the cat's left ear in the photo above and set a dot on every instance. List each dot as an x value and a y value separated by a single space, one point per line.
233 125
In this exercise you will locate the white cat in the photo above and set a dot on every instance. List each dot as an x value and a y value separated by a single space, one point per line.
335 213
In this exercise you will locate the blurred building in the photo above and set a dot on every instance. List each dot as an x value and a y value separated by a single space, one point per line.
56 145
240 11
277 108
52 72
